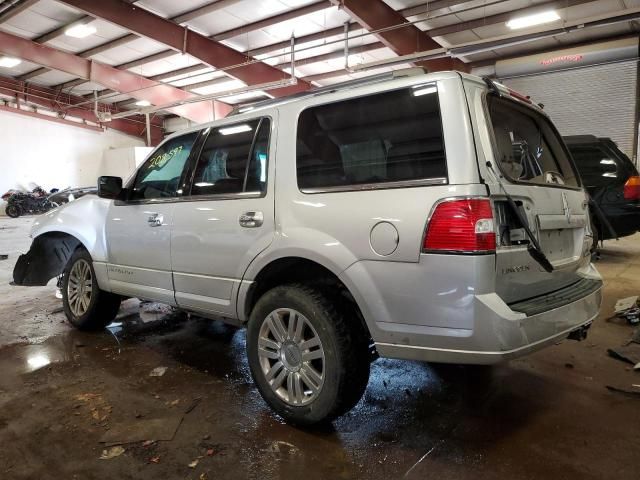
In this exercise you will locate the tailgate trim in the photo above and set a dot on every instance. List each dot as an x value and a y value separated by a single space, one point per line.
560 221
558 298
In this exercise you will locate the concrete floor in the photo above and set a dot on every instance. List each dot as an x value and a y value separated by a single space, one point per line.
545 416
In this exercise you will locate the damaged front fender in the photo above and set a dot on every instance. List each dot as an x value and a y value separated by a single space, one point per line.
46 259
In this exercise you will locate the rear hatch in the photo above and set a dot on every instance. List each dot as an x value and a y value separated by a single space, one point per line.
535 169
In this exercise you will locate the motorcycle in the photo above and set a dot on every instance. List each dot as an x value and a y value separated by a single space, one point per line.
22 203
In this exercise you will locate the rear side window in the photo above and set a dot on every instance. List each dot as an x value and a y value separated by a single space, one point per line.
528 148
596 167
376 139
233 160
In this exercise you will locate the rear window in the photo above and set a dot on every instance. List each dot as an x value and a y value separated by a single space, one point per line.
596 167
376 139
528 147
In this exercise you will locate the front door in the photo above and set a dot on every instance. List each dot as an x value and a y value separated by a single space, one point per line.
227 219
138 230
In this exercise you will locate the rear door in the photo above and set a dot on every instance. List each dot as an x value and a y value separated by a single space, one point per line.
227 218
537 172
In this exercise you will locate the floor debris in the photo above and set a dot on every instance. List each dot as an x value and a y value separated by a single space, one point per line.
625 391
142 430
3 256
628 308
194 464
194 403
158 372
628 353
157 429
112 452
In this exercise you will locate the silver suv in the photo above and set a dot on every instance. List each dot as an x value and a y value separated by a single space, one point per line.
433 217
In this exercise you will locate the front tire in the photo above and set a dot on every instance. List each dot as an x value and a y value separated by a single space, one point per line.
85 305
12 211
309 362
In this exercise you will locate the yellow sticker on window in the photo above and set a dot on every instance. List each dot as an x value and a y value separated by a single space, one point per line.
161 160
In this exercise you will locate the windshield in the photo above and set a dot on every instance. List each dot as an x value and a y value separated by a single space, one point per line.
528 147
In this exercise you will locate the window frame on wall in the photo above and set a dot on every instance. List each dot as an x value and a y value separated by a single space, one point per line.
382 185
189 195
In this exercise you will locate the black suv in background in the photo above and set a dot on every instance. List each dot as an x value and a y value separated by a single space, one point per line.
613 183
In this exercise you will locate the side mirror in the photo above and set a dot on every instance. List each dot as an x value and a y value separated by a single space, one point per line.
109 187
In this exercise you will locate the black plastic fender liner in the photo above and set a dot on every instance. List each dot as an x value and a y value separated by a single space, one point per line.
46 259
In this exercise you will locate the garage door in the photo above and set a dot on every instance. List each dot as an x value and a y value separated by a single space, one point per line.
600 100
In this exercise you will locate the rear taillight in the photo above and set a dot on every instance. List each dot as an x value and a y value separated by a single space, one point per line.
632 189
464 225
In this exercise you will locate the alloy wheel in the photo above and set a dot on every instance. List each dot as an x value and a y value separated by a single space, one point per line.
291 356
80 288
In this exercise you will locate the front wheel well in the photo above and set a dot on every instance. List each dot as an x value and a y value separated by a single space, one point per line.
46 259
299 270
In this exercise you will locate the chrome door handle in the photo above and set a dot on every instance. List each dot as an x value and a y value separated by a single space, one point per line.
155 220
251 219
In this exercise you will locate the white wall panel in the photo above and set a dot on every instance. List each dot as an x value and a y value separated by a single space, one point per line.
52 155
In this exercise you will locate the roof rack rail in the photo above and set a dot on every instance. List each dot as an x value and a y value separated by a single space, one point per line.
358 82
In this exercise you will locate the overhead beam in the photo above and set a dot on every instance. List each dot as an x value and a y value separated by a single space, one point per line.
284 65
16 8
57 32
375 15
63 104
122 81
431 7
180 39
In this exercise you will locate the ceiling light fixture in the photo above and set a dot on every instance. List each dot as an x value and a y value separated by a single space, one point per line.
9 62
80 31
143 103
532 20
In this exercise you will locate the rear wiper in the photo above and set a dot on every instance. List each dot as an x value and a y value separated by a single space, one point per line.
534 247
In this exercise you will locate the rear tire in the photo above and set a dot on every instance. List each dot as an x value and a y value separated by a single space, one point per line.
12 211
314 369
85 305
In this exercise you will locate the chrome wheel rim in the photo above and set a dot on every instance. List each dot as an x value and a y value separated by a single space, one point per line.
291 356
79 288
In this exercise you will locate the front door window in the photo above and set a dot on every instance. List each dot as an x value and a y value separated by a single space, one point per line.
159 176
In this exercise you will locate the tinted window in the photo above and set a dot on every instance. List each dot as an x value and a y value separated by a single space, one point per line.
595 166
159 176
529 149
388 137
233 160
